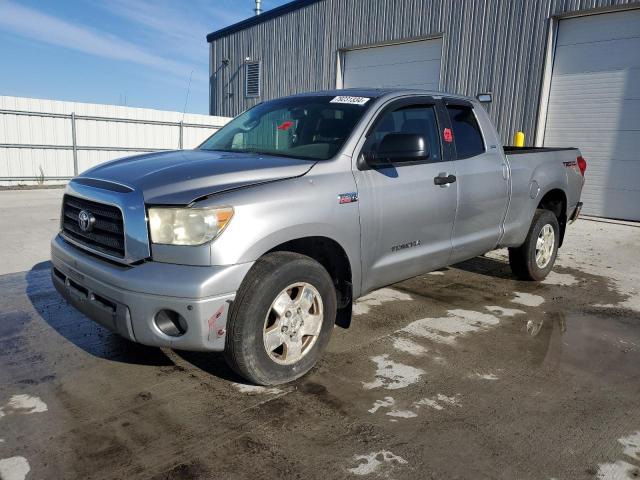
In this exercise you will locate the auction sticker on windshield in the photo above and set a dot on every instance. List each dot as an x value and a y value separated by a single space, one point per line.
350 100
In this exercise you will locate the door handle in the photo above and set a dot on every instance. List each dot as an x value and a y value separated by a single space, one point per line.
444 179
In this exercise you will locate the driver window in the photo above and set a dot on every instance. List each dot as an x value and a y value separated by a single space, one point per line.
419 119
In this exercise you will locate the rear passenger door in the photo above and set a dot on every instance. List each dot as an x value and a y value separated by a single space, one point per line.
483 183
406 218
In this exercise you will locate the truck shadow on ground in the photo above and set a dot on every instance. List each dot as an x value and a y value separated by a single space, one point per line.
79 330
209 363
489 267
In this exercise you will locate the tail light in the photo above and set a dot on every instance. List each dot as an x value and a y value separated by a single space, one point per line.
582 165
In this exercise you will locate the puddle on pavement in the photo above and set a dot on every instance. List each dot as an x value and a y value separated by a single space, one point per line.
603 345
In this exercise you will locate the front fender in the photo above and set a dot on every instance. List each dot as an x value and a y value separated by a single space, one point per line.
271 214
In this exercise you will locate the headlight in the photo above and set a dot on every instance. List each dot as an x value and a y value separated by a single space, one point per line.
187 226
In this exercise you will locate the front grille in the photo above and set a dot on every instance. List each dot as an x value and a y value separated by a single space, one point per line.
107 234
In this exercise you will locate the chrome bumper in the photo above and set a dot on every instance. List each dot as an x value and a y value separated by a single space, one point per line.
126 299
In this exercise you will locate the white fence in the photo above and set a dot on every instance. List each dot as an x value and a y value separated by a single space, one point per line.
48 141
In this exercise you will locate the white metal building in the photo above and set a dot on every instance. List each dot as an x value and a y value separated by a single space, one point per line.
566 72
51 141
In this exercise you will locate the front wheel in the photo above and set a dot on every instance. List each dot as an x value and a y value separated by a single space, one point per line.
534 259
281 320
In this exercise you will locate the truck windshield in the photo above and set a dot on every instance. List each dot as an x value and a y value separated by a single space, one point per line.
313 127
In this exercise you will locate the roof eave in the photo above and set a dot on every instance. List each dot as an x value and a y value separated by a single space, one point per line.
258 19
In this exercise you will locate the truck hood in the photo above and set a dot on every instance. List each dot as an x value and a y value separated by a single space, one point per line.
183 176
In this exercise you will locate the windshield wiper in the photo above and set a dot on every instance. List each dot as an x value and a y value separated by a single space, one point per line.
273 154
259 152
226 150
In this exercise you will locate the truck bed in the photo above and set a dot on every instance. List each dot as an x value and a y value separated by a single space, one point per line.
510 150
534 171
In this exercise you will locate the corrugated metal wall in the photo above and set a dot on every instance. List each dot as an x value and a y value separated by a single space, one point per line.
97 140
489 45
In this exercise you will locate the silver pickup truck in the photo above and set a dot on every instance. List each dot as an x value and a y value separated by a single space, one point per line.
258 242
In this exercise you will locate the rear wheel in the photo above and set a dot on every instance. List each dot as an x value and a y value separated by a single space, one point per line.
535 258
281 320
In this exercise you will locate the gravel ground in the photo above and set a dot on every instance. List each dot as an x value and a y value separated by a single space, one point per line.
461 373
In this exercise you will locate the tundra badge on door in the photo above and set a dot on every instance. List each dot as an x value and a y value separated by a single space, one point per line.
415 243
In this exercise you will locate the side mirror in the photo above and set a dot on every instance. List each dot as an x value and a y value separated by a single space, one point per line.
398 148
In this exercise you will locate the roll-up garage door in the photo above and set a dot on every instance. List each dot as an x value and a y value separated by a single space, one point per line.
406 65
594 104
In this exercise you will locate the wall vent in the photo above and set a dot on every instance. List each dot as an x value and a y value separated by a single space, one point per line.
252 79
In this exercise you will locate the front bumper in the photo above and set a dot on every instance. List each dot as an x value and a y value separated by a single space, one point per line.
126 299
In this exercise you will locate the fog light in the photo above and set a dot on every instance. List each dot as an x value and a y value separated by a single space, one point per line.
171 323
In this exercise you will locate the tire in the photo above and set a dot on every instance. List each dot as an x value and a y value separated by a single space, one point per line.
254 320
522 259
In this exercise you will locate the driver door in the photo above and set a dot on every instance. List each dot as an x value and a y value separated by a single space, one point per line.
406 219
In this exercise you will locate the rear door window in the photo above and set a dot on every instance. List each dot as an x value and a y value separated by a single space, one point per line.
466 132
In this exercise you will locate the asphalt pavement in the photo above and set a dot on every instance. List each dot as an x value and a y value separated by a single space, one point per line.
462 373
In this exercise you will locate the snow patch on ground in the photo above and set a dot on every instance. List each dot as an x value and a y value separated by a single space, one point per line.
504 312
528 299
377 298
14 468
388 402
409 346
449 400
485 376
23 404
561 279
438 402
429 403
385 402
446 329
619 470
255 389
375 461
402 413
393 375
437 272
631 445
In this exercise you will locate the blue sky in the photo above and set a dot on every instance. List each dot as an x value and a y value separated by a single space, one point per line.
141 52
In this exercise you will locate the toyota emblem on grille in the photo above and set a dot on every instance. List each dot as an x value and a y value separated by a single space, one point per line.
86 220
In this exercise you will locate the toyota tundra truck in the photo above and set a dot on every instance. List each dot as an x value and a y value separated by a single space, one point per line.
258 242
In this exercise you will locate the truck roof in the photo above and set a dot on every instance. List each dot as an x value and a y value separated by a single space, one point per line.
380 92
